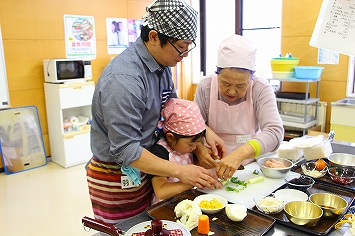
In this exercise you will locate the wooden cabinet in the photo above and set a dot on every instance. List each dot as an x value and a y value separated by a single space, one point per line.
69 146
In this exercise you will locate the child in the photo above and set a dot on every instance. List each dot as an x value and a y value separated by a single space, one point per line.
182 128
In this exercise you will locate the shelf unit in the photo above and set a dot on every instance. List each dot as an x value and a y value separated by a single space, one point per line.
69 147
303 122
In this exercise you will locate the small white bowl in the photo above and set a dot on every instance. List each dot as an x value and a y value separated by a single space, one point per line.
291 195
209 197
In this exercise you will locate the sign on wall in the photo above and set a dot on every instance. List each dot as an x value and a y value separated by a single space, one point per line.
117 35
80 40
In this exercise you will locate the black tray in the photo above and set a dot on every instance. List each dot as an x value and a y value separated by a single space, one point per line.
292 95
326 178
325 225
253 224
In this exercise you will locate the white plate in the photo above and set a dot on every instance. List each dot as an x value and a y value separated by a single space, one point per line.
169 225
209 197
291 195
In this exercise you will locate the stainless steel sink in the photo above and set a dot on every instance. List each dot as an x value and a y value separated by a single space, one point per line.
343 147
344 102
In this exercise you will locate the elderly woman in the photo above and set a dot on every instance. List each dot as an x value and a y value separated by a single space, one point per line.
239 107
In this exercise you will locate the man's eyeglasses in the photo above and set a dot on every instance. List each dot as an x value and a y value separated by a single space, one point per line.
191 46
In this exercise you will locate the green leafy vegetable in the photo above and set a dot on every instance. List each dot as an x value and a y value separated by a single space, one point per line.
236 181
255 172
230 189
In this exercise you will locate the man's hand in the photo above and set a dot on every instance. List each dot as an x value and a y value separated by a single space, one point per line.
199 177
204 155
216 143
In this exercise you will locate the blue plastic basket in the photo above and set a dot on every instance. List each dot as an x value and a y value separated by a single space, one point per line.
308 72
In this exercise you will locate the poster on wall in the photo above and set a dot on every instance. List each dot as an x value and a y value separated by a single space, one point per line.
80 40
134 30
117 35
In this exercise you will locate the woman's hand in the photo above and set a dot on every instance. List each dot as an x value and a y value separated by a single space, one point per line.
230 163
204 157
216 143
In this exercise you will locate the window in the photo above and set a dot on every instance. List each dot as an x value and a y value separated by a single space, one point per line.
260 21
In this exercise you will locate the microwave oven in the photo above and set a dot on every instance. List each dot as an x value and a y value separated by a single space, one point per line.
66 70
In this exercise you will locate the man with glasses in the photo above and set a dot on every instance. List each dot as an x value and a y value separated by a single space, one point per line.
240 107
126 108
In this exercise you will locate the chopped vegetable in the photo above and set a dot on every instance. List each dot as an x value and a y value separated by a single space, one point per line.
188 211
235 180
225 182
203 224
255 172
320 164
256 180
230 189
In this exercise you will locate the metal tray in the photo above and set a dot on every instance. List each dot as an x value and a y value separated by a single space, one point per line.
324 226
253 224
326 178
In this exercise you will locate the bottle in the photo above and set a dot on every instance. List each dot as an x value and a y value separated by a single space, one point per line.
157 229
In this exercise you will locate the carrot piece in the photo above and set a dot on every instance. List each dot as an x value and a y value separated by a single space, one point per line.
320 164
203 224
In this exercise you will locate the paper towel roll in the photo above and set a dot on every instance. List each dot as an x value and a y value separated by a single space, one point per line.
74 120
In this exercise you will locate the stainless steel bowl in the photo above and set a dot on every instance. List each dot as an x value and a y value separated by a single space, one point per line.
331 204
342 160
275 173
306 214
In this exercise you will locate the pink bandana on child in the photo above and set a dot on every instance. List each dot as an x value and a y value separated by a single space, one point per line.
182 117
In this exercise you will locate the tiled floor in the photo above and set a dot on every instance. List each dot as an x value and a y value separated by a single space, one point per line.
48 200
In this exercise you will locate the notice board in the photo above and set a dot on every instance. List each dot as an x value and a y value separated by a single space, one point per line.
335 27
4 93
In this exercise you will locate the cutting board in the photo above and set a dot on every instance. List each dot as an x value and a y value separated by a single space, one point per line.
245 196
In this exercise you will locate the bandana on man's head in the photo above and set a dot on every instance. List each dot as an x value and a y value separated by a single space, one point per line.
182 117
174 18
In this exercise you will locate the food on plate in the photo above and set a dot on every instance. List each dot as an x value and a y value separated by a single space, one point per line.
188 211
212 204
272 163
236 212
320 164
256 180
342 175
309 168
270 204
203 224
